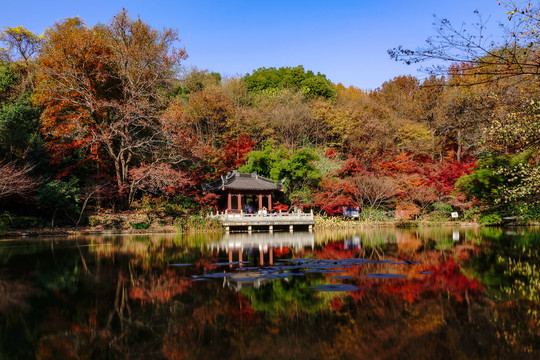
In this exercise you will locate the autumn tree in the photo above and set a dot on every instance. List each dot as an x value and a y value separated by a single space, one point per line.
209 111
196 80
21 43
373 192
460 119
287 116
102 87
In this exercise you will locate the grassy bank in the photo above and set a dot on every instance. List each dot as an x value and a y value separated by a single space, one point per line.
126 222
326 222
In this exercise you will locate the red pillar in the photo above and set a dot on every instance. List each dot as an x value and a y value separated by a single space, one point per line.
271 256
260 202
229 201
239 202
261 261
240 257
230 257
270 203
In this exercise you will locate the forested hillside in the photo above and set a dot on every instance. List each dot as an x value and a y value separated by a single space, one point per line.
106 119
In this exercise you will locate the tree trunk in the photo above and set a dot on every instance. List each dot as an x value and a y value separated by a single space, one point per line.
459 145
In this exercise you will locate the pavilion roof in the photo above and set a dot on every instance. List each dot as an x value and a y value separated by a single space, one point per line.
235 180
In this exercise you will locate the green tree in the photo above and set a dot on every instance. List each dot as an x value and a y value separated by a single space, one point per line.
295 78
19 125
300 174
62 196
508 185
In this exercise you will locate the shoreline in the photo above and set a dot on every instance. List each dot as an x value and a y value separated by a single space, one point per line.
82 231
169 230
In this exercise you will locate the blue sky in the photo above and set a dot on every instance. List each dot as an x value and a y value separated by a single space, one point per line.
346 40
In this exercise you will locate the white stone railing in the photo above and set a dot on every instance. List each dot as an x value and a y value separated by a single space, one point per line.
225 216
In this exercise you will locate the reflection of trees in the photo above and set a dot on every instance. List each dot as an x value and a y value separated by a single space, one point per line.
14 296
285 299
509 266
130 304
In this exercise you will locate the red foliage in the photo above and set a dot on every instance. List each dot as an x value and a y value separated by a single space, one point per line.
280 252
244 312
407 211
337 303
401 164
448 279
351 167
331 153
208 200
444 175
335 194
336 251
280 207
408 290
159 290
234 152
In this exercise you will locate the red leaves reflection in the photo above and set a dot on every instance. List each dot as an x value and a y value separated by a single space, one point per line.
442 276
159 290
447 278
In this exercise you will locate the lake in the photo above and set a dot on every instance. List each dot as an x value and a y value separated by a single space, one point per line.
378 293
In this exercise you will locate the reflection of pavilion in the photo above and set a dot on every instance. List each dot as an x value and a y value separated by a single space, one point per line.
266 244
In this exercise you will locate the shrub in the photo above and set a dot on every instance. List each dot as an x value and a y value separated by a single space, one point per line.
371 214
490 219
442 207
407 211
10 221
140 225
93 220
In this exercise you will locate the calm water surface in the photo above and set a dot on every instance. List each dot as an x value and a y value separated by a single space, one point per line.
432 293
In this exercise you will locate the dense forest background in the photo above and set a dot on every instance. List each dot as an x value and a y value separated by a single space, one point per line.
105 119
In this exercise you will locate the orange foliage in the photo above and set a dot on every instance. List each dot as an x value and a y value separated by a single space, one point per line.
407 211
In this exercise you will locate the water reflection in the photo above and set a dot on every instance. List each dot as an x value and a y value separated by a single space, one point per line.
370 293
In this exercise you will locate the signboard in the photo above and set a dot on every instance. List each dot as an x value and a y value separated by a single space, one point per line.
351 211
454 215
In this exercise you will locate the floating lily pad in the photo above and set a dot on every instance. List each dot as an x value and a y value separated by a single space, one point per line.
410 262
342 277
385 276
426 272
334 287
180 264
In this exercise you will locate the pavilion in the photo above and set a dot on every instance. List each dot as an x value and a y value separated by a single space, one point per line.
241 192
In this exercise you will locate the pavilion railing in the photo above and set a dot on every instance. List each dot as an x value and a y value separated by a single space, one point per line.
242 216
